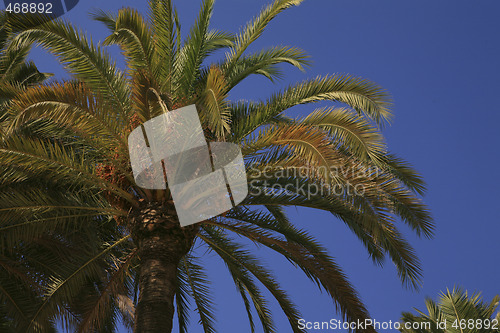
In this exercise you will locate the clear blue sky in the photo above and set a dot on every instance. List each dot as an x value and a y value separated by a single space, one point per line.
441 62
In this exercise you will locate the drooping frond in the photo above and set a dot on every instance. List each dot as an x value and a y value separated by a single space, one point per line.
28 213
26 74
113 290
41 158
13 57
17 300
234 254
403 171
246 285
64 287
83 59
304 252
374 227
73 106
297 143
195 277
363 96
133 34
349 132
263 63
182 299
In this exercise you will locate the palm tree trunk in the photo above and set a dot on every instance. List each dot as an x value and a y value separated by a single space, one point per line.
161 243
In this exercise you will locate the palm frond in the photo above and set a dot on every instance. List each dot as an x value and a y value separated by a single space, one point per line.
182 299
193 51
62 288
12 58
374 227
27 74
233 253
134 36
79 55
199 291
53 161
72 105
317 265
362 95
216 115
113 290
166 33
349 132
254 29
264 63
296 143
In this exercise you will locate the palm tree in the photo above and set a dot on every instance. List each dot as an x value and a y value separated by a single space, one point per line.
455 311
109 247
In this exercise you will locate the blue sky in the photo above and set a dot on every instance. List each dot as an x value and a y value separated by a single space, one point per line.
440 61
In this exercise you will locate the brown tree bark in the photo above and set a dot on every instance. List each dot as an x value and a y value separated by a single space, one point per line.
161 244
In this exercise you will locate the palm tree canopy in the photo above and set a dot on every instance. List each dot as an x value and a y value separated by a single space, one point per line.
70 209
456 311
